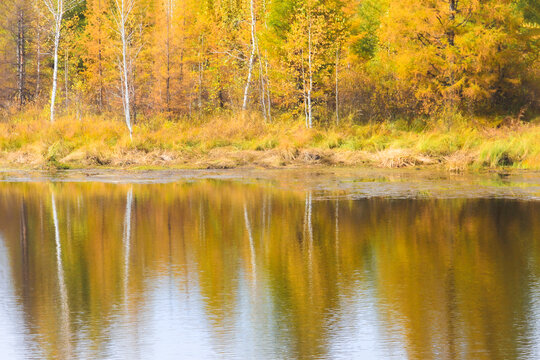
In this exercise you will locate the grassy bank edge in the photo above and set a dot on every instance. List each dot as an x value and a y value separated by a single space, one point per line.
457 144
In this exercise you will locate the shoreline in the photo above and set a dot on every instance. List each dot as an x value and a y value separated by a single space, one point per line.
242 142
230 159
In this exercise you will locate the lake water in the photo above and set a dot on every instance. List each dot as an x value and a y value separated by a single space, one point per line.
300 264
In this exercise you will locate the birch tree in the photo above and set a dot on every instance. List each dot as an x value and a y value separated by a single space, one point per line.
265 80
122 12
57 9
252 55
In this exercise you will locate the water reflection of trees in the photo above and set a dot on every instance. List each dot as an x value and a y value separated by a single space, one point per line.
450 278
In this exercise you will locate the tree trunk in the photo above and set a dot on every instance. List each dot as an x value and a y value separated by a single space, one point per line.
181 77
100 67
252 56
337 85
310 69
453 9
200 92
38 57
304 92
268 99
58 23
267 78
168 80
66 79
125 72
262 85
21 58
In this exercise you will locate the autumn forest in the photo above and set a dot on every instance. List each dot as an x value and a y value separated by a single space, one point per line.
318 63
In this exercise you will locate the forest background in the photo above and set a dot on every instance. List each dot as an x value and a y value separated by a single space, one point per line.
225 83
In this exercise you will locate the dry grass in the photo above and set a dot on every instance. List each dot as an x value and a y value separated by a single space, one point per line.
398 158
228 142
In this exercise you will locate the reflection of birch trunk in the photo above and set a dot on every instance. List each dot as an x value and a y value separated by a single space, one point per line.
266 220
269 213
169 266
308 228
202 223
337 232
24 246
305 217
126 240
263 227
169 236
41 222
251 246
61 281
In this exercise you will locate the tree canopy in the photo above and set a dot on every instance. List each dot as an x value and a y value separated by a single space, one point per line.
358 59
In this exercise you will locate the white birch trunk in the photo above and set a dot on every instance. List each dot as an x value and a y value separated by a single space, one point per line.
57 28
252 56
304 92
57 8
123 11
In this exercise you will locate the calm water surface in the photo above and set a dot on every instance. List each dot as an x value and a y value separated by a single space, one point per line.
290 265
